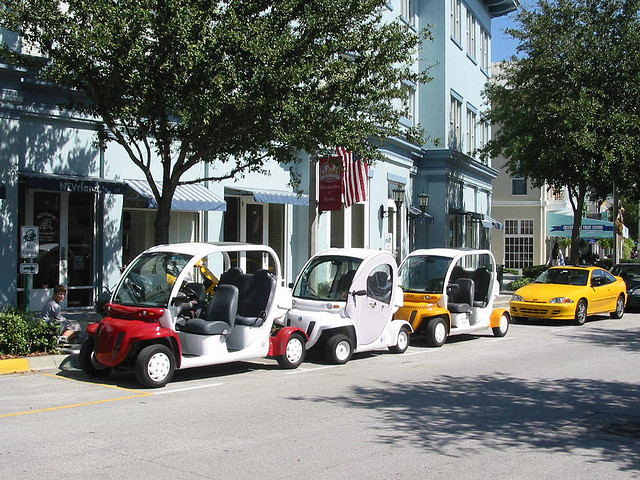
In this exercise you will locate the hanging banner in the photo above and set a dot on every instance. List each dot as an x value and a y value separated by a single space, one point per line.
330 191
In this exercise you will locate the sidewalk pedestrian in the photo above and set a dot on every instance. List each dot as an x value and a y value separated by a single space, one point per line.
556 257
69 329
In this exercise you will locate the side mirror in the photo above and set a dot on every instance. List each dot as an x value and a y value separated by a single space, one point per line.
290 284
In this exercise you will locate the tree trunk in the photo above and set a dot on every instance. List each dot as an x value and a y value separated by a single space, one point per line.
163 214
577 206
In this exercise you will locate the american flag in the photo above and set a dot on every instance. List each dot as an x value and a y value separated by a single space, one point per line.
355 173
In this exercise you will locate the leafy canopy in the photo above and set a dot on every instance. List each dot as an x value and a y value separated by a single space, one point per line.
229 82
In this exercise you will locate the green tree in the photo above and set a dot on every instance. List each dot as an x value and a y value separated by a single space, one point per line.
233 83
568 106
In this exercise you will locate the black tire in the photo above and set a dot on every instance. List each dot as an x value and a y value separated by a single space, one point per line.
503 328
339 349
619 311
403 341
581 312
88 361
155 366
293 353
436 332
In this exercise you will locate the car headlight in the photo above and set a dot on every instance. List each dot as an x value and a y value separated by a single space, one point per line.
517 298
561 300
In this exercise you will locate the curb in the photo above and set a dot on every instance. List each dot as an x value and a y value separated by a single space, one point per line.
28 364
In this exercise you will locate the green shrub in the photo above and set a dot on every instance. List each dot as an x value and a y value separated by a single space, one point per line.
533 271
516 284
512 271
21 334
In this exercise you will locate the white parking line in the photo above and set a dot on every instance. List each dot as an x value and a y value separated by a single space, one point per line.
177 390
305 370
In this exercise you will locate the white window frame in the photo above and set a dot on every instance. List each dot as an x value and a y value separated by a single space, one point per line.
518 243
484 50
472 24
472 125
456 20
407 11
455 123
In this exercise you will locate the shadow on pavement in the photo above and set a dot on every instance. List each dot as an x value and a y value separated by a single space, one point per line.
568 416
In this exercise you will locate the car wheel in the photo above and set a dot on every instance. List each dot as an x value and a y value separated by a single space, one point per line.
88 361
339 349
402 341
581 312
293 352
436 332
502 329
155 366
619 311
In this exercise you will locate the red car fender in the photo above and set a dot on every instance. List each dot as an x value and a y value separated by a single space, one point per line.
278 342
114 338
496 315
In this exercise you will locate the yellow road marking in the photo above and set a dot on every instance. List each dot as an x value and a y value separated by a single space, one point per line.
138 394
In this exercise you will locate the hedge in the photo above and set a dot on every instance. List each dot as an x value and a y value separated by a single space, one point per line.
21 334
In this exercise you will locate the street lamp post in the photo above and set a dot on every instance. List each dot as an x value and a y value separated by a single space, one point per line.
398 198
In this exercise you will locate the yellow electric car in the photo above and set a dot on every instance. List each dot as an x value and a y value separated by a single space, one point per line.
450 291
570 293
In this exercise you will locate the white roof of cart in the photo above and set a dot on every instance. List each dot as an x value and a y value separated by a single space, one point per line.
448 252
361 253
202 248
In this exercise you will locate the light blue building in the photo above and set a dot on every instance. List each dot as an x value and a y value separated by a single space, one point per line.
94 211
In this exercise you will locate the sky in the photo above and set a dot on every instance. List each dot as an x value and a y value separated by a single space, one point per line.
502 46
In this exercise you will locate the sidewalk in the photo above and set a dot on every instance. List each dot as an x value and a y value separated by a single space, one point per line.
67 358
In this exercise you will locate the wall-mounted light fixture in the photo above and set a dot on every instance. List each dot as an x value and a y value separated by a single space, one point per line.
423 202
398 196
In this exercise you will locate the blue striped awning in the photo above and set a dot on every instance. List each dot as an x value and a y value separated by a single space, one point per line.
191 197
275 196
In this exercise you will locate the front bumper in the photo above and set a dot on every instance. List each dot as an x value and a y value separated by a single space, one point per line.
554 311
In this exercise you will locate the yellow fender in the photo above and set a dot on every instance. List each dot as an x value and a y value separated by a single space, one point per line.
496 315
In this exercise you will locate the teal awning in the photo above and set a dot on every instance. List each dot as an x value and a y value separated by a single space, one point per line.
561 225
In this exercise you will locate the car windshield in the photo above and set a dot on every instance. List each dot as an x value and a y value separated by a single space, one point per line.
424 274
629 273
327 278
149 281
564 276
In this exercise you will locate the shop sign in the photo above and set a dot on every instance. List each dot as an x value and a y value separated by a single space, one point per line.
29 241
330 191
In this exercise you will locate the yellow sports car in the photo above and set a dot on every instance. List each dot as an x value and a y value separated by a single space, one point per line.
570 293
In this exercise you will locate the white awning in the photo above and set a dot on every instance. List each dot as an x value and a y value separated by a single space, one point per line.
272 196
191 197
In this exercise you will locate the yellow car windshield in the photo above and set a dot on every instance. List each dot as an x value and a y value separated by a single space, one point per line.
564 276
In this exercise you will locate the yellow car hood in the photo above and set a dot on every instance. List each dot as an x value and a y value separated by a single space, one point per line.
543 292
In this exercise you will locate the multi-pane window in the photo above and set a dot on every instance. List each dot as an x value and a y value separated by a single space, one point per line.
456 16
472 121
410 104
518 186
518 243
471 35
484 50
455 123
485 134
406 10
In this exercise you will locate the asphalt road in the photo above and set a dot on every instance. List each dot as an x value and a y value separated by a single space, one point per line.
546 401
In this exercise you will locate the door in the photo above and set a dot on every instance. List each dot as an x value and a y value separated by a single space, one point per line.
66 252
372 309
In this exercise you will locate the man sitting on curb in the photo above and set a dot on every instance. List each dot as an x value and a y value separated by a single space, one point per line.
70 329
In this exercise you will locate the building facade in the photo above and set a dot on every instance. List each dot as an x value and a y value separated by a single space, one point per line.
94 212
